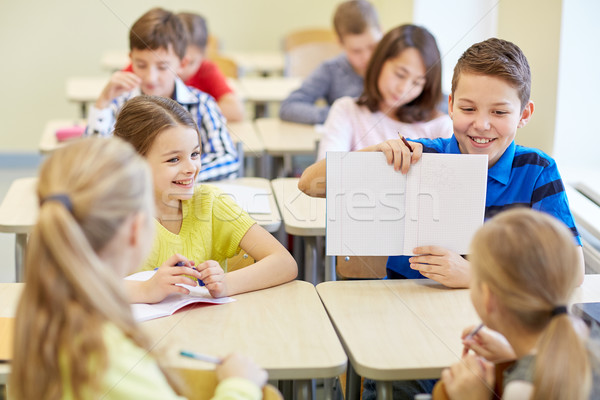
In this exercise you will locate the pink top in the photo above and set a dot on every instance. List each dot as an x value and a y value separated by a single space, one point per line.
352 127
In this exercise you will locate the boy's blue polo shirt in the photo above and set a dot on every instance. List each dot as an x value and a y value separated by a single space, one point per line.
522 177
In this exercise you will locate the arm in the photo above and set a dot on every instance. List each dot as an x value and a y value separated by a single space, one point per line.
470 378
231 107
488 344
239 378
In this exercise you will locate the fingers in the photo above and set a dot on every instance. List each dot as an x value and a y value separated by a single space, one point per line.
417 152
431 250
396 154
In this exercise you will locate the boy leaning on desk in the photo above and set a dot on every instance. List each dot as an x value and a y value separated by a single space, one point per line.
489 102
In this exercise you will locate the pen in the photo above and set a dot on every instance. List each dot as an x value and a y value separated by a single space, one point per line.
201 357
474 332
405 142
182 264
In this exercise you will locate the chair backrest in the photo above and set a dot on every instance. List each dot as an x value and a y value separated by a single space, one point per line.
361 267
212 46
306 49
228 67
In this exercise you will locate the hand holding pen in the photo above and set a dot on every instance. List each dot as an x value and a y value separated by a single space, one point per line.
234 365
167 276
488 344
399 152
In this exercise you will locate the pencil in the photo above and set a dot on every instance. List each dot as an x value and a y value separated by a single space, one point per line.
405 142
474 331
201 357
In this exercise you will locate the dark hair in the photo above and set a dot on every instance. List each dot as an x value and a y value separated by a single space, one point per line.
354 17
423 108
196 28
159 29
499 58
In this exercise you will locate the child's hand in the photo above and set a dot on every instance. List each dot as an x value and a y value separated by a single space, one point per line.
442 265
471 378
398 154
213 277
488 344
237 365
163 283
120 82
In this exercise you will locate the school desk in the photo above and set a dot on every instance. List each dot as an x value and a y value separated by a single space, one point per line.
84 90
405 329
587 219
260 91
115 60
304 216
264 63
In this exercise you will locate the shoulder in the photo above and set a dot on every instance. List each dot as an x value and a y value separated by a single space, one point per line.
346 103
532 156
518 390
437 145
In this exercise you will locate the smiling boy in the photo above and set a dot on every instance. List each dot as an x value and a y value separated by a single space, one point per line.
157 42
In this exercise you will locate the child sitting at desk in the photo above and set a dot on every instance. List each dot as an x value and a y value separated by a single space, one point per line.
75 336
402 88
520 287
489 102
357 27
196 224
158 42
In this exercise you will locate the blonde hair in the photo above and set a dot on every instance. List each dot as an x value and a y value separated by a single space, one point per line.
529 261
70 294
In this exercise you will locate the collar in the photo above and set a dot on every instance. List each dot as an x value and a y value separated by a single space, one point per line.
452 146
184 94
501 170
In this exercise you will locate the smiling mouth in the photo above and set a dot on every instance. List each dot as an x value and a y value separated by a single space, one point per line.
480 140
184 183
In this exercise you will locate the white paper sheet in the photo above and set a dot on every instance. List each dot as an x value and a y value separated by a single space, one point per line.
252 200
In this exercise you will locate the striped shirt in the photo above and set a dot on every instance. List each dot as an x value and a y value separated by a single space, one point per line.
219 156
522 177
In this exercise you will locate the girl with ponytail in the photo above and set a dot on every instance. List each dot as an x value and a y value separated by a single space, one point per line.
522 280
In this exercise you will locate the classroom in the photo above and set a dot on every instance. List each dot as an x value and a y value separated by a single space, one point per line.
278 254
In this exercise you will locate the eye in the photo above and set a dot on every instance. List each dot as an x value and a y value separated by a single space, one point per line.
195 154
467 109
163 67
498 112
173 160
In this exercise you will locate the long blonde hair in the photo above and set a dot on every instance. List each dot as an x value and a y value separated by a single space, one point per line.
529 261
70 293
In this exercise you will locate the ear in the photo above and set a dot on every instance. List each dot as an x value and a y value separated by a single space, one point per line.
490 302
450 105
183 63
526 115
136 225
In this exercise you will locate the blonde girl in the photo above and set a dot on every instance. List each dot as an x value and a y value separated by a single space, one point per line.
522 280
196 224
75 334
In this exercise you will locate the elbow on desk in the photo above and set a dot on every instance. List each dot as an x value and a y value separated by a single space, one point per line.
312 184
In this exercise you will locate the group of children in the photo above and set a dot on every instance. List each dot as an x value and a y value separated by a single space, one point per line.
132 204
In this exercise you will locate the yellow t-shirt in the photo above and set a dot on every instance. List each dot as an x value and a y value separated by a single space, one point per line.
213 226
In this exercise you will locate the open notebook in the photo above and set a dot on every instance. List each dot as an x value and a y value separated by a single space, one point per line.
373 210
198 294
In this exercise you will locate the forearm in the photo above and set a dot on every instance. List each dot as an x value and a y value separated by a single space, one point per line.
303 112
231 107
136 291
313 181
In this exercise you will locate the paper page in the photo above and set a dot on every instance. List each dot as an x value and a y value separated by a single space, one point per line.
365 205
252 200
445 201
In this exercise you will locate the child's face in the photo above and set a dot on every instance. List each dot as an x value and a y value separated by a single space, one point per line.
359 48
174 158
194 56
158 69
401 79
486 112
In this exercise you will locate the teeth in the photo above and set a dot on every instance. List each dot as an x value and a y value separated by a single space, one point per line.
481 140
184 182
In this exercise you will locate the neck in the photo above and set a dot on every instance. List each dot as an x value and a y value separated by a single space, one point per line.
523 342
168 211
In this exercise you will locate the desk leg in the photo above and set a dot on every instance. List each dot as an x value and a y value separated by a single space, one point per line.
266 166
304 389
288 165
83 110
384 390
20 246
310 259
330 268
352 383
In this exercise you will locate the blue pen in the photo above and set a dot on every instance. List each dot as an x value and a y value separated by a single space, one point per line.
201 357
182 264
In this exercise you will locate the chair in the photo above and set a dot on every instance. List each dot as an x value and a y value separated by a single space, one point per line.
306 49
212 46
361 267
226 65
201 384
439 390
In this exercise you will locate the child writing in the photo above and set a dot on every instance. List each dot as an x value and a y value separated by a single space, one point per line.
520 288
357 27
401 92
75 335
489 102
158 42
196 224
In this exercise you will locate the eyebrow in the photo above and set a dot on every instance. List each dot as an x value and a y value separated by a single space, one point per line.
173 152
405 70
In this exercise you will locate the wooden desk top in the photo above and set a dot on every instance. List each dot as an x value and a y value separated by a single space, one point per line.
281 138
407 329
302 215
260 89
48 142
268 62
115 60
246 132
85 89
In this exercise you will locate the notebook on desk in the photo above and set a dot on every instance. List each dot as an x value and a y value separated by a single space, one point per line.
373 210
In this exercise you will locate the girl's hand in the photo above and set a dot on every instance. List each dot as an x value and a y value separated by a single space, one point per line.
213 277
471 378
164 281
442 265
399 155
488 344
237 365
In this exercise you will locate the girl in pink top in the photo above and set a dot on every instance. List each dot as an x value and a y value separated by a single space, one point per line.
401 94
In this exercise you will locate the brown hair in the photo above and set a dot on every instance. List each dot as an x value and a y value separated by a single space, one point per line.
196 28
143 118
354 17
159 29
423 108
499 58
532 270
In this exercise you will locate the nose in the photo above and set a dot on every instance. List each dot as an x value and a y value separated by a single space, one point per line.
190 166
482 122
150 75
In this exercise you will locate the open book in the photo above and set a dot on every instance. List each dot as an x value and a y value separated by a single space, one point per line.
198 294
373 210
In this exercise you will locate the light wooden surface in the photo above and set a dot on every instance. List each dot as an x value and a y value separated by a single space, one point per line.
19 208
282 138
115 60
302 215
48 142
269 89
263 62
407 329
246 132
85 89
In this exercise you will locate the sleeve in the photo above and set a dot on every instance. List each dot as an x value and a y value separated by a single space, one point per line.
215 82
219 156
237 389
300 105
101 122
338 128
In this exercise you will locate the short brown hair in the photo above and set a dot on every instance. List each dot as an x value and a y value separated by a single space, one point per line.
499 58
143 118
159 29
196 28
354 17
423 108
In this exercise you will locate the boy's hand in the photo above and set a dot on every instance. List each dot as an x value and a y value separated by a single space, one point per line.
237 365
399 155
213 277
163 283
488 344
120 82
471 378
442 265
